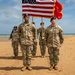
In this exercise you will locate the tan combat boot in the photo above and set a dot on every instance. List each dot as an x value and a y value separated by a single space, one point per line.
51 67
29 68
55 68
23 68
43 56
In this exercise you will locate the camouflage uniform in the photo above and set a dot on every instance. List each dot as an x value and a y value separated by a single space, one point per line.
14 37
25 31
19 40
42 40
54 38
34 46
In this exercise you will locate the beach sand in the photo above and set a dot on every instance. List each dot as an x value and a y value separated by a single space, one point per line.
11 66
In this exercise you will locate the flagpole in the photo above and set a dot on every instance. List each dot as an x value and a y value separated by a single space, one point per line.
41 19
22 18
32 19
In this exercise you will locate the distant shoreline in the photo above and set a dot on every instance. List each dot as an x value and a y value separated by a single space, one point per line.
65 34
6 38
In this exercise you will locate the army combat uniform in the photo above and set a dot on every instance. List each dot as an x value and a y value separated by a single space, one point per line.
34 46
26 37
42 40
54 38
14 37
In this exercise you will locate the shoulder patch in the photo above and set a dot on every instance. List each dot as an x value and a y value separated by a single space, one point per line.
59 27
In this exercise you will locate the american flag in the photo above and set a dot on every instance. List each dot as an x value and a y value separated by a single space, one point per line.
38 8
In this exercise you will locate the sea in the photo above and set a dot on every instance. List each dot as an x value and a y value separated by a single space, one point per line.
65 34
4 35
69 34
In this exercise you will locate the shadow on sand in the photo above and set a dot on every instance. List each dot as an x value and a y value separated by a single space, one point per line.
11 57
19 68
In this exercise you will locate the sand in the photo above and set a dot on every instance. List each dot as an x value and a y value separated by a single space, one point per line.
11 66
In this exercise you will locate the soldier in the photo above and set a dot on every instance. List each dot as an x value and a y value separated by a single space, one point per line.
26 30
54 39
42 40
34 47
14 37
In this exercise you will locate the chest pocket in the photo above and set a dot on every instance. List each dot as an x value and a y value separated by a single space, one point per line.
26 30
54 31
27 34
26 27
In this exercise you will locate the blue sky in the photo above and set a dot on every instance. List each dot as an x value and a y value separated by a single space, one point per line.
10 15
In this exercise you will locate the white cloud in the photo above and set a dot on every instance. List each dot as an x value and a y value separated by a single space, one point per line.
9 13
17 7
69 8
17 1
0 0
67 23
68 1
16 16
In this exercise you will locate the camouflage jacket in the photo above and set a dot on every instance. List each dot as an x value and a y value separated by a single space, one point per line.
41 34
26 32
14 35
54 36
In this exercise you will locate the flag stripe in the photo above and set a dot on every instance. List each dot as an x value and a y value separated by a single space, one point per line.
34 15
43 7
37 11
50 11
44 2
48 14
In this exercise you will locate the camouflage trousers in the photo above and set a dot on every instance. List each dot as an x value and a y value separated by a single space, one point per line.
20 45
53 55
26 50
15 47
42 44
43 49
34 49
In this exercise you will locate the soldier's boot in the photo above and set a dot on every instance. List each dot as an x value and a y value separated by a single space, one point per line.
23 68
42 56
51 67
55 67
29 68
15 54
33 55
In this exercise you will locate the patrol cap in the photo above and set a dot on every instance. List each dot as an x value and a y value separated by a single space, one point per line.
26 15
33 22
15 26
41 23
53 18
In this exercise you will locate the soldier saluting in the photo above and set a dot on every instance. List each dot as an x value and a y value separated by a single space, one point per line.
54 39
